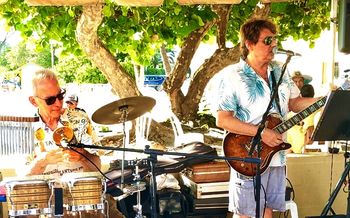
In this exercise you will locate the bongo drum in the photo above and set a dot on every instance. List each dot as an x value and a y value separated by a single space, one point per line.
28 196
83 192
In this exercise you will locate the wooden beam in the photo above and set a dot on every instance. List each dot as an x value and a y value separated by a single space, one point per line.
148 3
209 2
145 3
62 2
271 1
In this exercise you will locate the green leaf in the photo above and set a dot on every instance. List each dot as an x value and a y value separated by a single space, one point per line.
71 12
177 10
107 11
168 21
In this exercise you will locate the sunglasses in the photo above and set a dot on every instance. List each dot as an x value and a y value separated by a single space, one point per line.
52 99
269 39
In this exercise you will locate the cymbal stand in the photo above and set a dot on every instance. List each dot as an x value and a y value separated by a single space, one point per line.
124 116
138 206
152 161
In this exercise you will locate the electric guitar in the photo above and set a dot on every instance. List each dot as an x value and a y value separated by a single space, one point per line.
235 145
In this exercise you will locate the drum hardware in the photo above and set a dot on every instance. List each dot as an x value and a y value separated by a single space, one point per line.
152 160
139 187
121 111
136 187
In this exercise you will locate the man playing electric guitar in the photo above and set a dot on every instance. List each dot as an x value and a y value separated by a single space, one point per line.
245 93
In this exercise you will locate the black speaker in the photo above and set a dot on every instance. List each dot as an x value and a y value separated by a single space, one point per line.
344 26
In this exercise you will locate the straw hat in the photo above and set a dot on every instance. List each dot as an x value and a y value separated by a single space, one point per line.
307 78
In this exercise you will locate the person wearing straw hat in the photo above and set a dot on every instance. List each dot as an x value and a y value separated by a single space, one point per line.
301 79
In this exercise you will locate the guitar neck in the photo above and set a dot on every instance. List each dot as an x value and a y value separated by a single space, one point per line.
284 126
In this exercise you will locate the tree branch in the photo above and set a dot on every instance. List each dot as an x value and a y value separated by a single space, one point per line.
219 60
90 43
223 11
174 82
165 60
184 59
262 10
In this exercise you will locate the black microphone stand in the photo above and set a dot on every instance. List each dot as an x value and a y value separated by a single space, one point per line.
256 141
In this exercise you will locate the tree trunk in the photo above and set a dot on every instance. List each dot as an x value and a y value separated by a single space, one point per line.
87 37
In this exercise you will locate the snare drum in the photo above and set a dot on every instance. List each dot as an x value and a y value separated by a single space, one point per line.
28 197
84 192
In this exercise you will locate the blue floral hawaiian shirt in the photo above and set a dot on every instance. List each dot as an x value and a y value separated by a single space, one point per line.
247 95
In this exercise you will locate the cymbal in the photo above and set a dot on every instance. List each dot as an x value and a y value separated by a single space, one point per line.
123 110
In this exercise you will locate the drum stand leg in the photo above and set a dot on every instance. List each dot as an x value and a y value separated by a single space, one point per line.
105 211
152 160
138 206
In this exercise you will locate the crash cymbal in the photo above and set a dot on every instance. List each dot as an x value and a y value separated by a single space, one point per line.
122 110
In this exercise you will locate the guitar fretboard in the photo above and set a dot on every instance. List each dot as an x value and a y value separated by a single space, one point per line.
284 126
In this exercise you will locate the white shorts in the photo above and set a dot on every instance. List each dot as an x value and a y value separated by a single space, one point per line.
272 192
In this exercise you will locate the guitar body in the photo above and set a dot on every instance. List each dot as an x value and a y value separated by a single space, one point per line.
235 145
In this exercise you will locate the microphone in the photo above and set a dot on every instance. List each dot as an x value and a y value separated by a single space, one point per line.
283 51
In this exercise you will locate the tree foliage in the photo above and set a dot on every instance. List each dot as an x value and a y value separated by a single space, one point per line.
134 34
78 69
141 30
23 53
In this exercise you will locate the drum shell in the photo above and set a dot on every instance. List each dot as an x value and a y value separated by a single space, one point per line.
24 195
84 191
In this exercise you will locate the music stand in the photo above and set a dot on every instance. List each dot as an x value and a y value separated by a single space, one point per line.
334 125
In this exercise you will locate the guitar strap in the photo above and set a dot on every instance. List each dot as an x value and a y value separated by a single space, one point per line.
277 101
